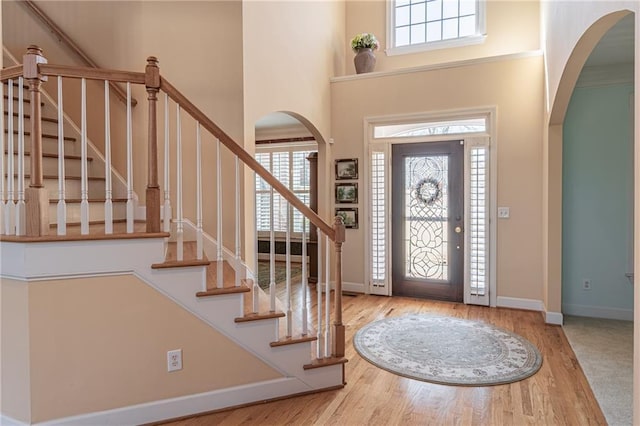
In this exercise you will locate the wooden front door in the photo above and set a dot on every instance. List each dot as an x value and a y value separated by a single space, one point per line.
427 220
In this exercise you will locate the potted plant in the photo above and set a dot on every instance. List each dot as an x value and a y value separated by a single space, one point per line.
364 44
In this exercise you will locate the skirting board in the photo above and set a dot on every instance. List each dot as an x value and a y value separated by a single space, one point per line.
350 287
518 303
554 318
598 312
186 405
8 421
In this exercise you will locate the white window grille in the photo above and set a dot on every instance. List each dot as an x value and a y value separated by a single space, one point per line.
290 166
435 23
478 238
378 220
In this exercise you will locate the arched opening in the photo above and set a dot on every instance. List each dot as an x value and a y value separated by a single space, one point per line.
590 194
294 151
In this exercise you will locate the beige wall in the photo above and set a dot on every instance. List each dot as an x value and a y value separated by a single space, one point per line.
519 150
101 343
511 27
291 50
15 384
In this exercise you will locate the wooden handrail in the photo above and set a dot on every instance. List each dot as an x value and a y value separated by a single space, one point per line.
11 72
65 39
245 157
92 73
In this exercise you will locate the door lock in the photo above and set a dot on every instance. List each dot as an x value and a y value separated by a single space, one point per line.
458 229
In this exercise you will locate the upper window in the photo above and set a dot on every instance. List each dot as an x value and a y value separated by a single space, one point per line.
429 24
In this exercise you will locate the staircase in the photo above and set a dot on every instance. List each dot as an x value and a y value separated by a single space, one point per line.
66 212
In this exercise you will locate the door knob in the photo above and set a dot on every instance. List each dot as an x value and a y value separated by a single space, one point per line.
458 230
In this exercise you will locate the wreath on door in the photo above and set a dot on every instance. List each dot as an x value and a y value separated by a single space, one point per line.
428 191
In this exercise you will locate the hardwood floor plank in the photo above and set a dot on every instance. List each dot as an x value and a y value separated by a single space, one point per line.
558 394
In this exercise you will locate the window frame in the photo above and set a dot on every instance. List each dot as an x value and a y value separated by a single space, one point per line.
478 38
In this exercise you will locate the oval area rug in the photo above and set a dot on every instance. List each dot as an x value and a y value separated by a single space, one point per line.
447 350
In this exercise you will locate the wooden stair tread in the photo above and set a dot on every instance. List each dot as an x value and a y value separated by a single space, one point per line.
17 99
28 116
325 362
91 200
264 306
228 281
96 232
44 135
189 257
293 340
51 155
27 176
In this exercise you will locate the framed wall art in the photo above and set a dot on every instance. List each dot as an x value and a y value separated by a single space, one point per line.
347 193
347 169
349 216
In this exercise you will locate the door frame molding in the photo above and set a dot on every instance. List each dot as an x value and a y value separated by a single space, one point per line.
369 123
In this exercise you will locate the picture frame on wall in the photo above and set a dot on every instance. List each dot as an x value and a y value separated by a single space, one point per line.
349 216
347 168
347 193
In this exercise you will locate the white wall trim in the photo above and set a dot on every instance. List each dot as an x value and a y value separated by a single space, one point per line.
519 303
186 405
353 287
598 312
554 318
446 65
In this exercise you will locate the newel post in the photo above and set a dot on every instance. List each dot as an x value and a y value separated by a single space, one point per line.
338 327
36 197
152 83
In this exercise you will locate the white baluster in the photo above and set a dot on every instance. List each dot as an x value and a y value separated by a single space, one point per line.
272 256
256 287
108 202
20 206
9 217
179 219
305 326
288 263
327 303
199 242
238 261
320 341
3 202
167 170
130 200
61 216
219 214
84 183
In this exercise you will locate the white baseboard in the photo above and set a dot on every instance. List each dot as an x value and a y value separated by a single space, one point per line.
518 303
598 312
185 405
8 421
554 318
353 287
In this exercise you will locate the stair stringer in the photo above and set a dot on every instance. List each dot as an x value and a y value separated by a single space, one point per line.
68 259
254 336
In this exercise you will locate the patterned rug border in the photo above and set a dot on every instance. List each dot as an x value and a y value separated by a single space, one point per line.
530 346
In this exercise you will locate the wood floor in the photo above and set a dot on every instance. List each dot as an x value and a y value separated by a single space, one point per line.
558 394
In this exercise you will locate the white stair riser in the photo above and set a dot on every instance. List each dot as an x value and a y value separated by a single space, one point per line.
96 211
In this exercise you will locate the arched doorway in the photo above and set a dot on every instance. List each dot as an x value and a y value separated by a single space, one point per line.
293 150
597 76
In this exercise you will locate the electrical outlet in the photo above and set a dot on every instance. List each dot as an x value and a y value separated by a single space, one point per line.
503 212
586 284
174 360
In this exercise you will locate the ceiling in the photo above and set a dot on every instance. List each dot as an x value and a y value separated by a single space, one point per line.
617 45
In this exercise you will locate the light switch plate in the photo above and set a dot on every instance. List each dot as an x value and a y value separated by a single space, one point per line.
503 212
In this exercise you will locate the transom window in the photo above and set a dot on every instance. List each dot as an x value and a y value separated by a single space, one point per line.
433 23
